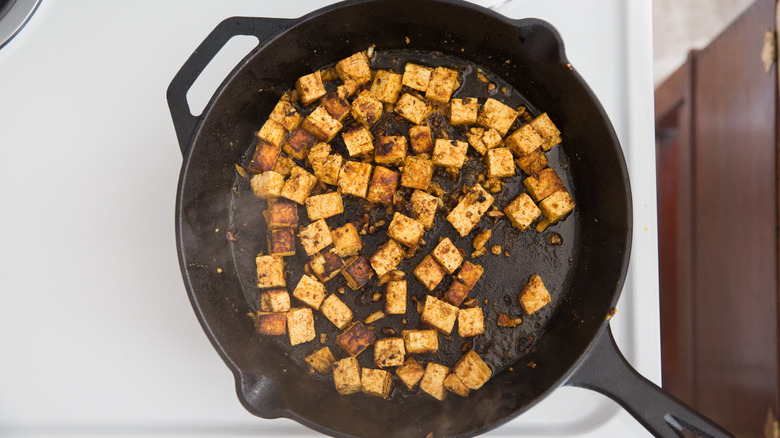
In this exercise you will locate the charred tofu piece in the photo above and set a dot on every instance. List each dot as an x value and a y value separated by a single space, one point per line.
315 237
422 207
472 370
417 172
387 257
500 163
482 139
267 185
321 124
282 214
496 115
300 325
321 360
318 153
389 352
336 311
346 376
417 76
270 323
410 373
432 380
326 264
275 300
533 162
442 84
357 272
376 382
264 157
453 384
387 86
405 230
420 341
354 69
466 215
534 295
284 165
346 240
285 114
556 206
450 153
298 185
359 141
330 169
323 206
429 272
547 130
310 291
412 108
354 178
281 242
390 150
469 274
272 132
543 184
356 338
522 212
421 138
470 322
464 111
448 255
366 109
299 144
439 314
383 185
270 271
457 293
395 297
524 141
310 87
335 105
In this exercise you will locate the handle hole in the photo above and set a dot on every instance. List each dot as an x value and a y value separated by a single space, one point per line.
201 91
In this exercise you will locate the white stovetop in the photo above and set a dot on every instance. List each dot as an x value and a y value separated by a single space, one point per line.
96 331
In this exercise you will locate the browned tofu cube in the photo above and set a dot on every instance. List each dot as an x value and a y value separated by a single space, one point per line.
330 169
357 272
429 272
405 230
321 125
275 300
448 255
272 132
281 242
387 257
522 212
556 206
439 314
474 137
432 380
389 352
284 165
285 114
491 138
417 76
422 208
315 237
456 293
412 108
346 240
496 115
299 144
335 105
442 84
383 185
356 338
466 215
395 297
534 295
321 360
282 214
346 376
420 341
472 370
310 87
355 69
376 382
354 178
450 153
452 383
500 163
421 138
410 373
267 185
547 130
524 141
300 325
326 264
417 172
469 274
323 206
270 271
359 141
543 184
270 323
366 109
264 157
336 311
310 291
298 185
390 149
387 86
318 153
464 111
532 163
470 322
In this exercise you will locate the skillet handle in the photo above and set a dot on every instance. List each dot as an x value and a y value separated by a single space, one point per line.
183 120
605 370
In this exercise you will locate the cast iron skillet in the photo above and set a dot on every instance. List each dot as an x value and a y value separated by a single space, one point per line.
573 343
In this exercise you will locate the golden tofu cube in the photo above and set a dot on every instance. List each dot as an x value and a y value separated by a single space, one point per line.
534 295
439 314
272 132
448 255
543 184
359 141
310 87
346 376
321 125
405 230
429 272
282 214
355 69
298 185
315 237
449 153
330 169
556 206
389 352
469 274
422 207
267 185
336 311
474 137
547 129
390 150
432 380
456 293
318 153
472 370
387 86
284 165
323 206
285 114
522 212
357 272
524 141
270 323
264 157
466 215
270 271
421 138
354 178
387 257
442 84
300 325
452 383
326 264
376 382
395 297
335 105
491 138
346 240
417 76
420 341
310 291
410 373
281 242
366 109
533 162
356 338
275 300
383 185
500 163
470 322
417 172
299 144
412 108
321 360
464 111
496 115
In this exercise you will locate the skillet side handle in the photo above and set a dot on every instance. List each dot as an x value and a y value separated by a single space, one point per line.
183 120
605 370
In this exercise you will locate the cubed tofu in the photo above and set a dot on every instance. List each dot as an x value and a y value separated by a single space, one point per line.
387 86
456 293
298 185
285 114
522 212
300 325
387 257
464 111
270 323
264 157
318 153
267 185
429 272
310 87
453 384
330 169
405 230
310 291
357 272
496 115
275 300
346 240
547 129
500 163
417 76
412 108
439 314
354 178
272 132
284 165
417 172
524 141
366 109
491 138
335 105
448 255
556 206
450 153
395 297
389 352
466 215
533 162
336 311
346 376
323 206
472 370
321 360
474 137
421 138
542 184
422 208
356 338
359 141
410 373
315 237
420 341
442 84
326 264
469 274
376 382
390 149
432 380
281 242
470 322
270 271
299 143
355 69
321 125
534 295
383 185
282 214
